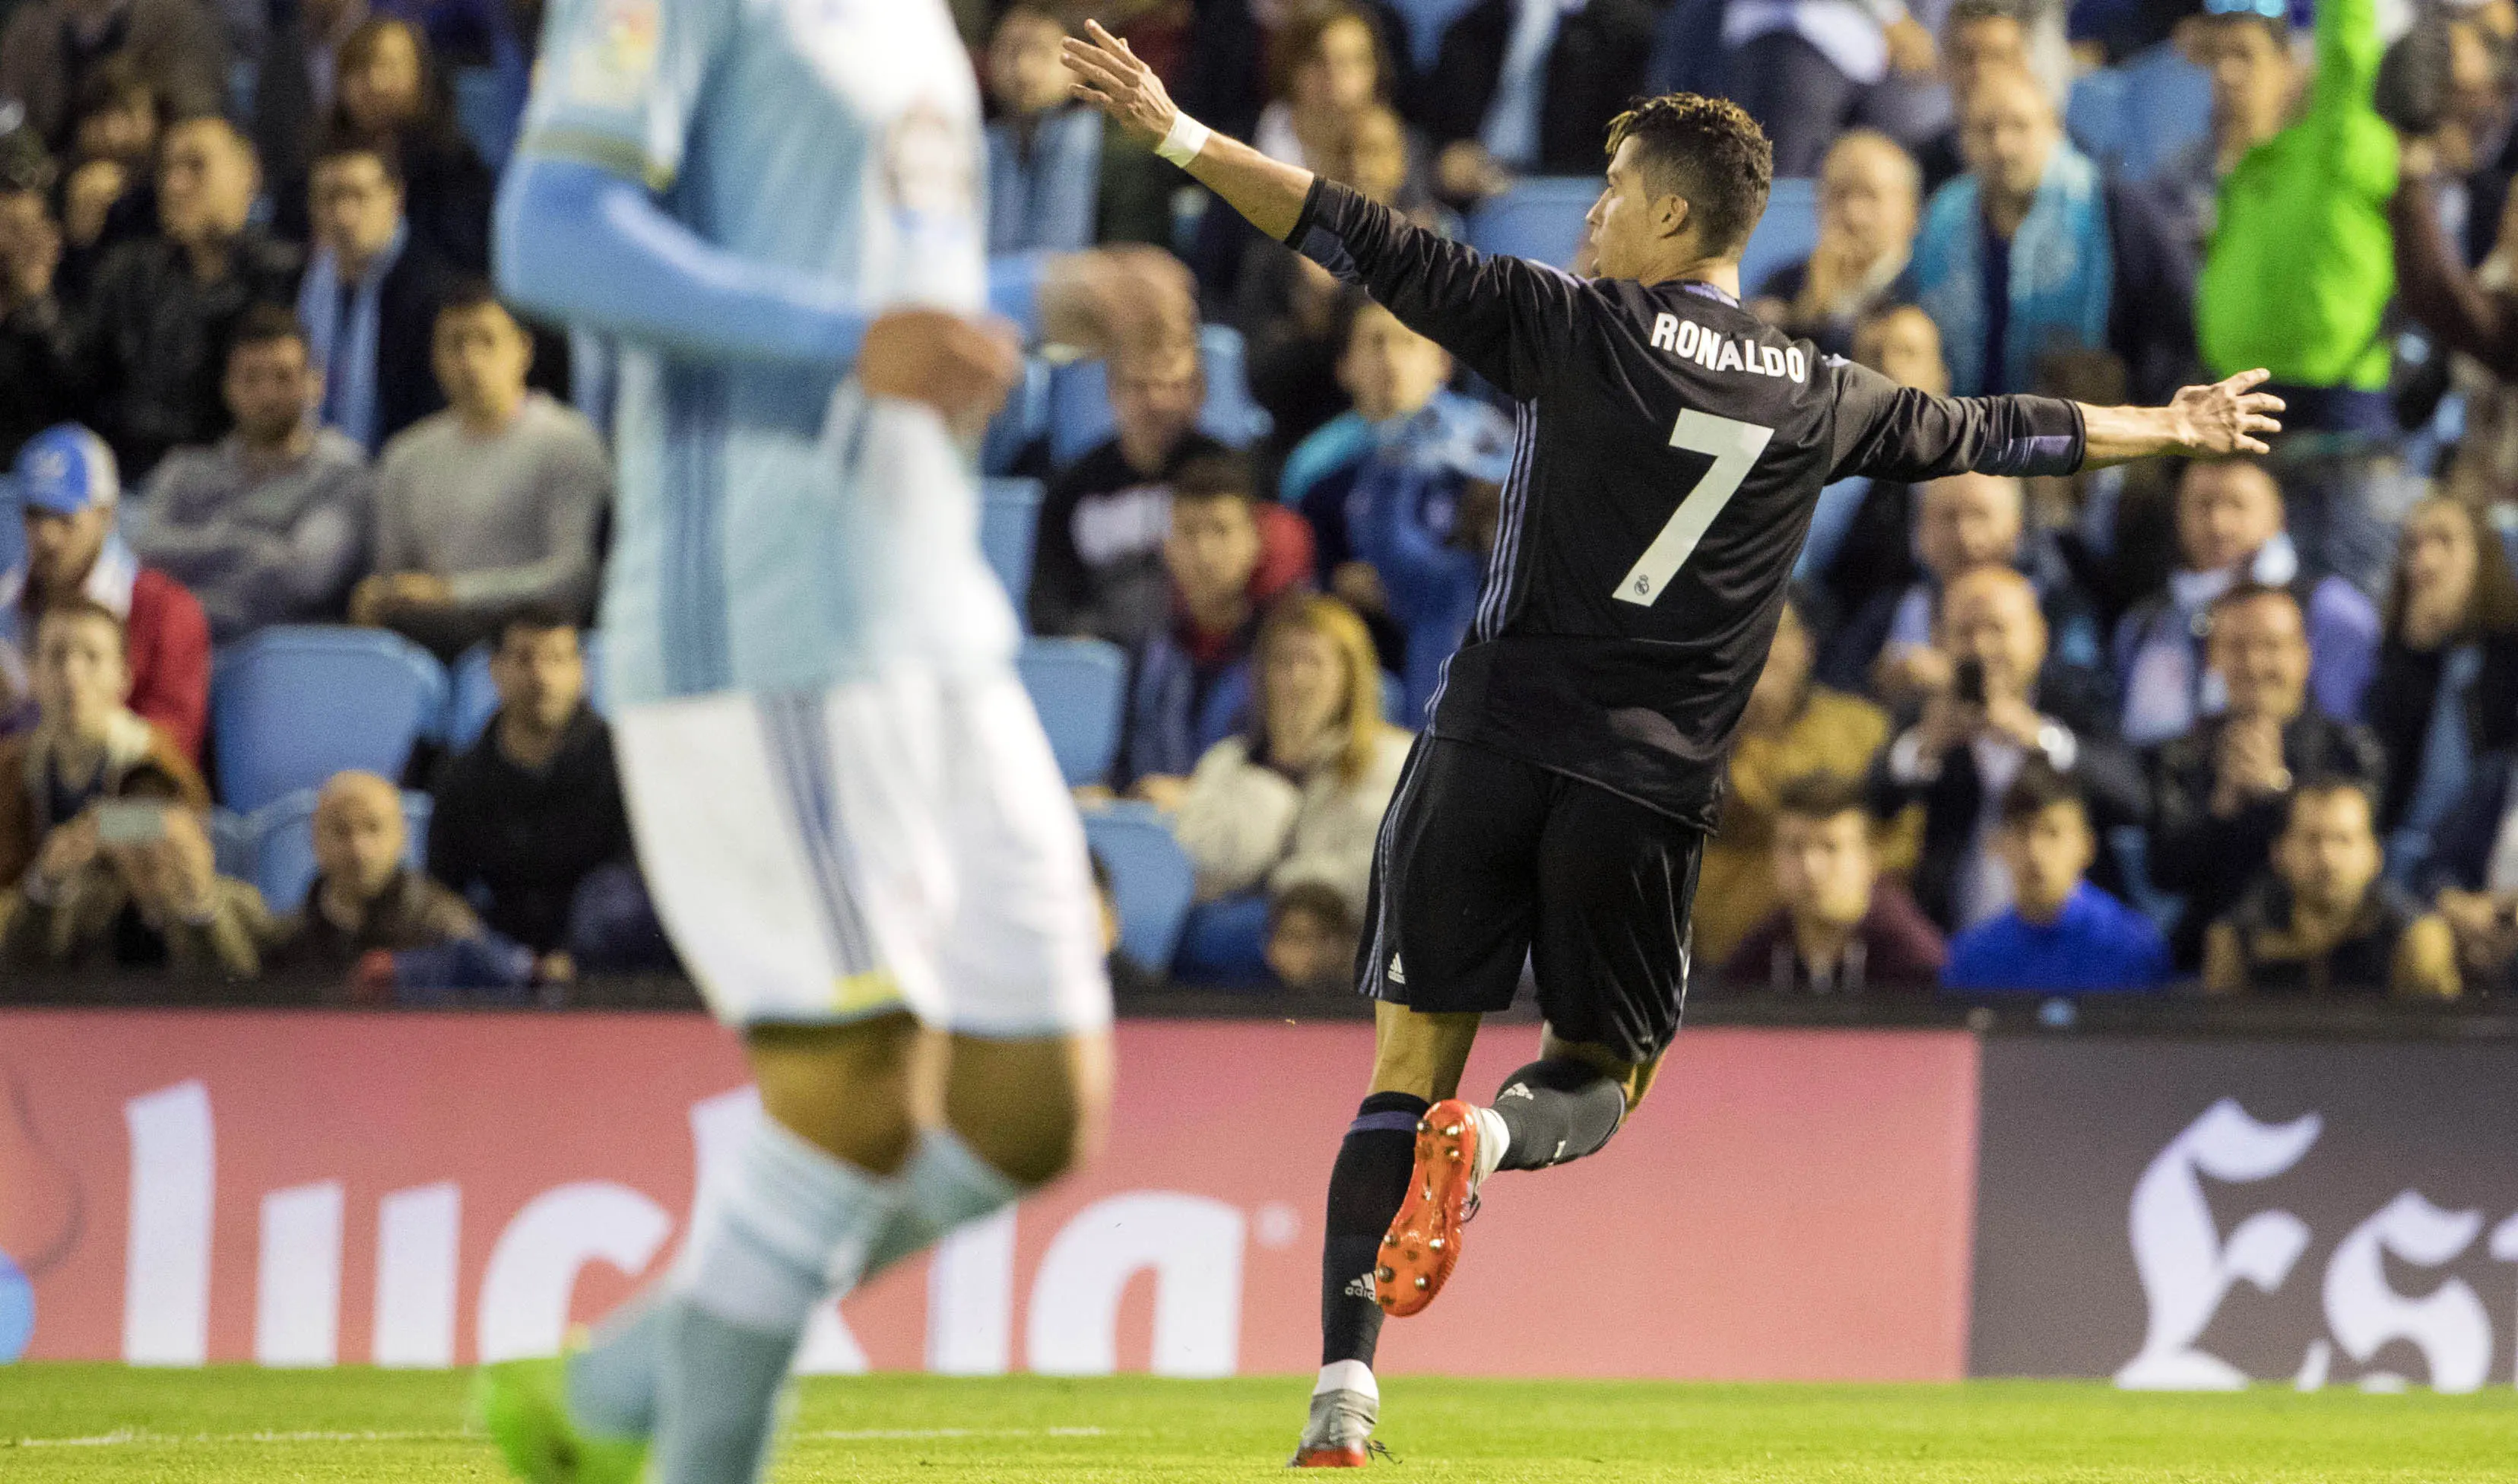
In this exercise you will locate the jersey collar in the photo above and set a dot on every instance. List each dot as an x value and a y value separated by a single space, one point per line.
1706 290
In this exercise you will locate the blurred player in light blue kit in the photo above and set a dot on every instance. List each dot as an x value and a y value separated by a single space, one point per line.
847 811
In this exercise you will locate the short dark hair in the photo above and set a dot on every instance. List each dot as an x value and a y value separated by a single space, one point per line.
116 80
2246 592
531 618
1819 796
470 291
1962 12
340 144
1708 152
1215 476
1319 899
2037 789
266 325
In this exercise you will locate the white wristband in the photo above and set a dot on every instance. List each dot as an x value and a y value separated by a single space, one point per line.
1186 137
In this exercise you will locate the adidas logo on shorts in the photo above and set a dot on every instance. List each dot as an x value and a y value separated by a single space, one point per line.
1518 1090
1395 973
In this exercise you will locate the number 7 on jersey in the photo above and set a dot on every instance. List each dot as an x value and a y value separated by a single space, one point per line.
1734 447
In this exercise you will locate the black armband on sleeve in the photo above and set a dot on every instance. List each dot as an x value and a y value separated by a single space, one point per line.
2035 435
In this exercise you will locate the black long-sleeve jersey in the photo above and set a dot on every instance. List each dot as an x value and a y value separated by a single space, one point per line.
1668 451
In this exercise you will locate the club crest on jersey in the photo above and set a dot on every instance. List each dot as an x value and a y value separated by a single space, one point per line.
1691 341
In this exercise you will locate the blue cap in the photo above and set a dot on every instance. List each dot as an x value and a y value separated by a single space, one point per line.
64 470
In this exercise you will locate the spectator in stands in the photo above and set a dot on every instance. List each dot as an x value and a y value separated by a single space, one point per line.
1860 542
2297 279
67 486
1522 88
86 744
2470 872
1983 39
2061 934
109 195
1098 570
34 387
2230 531
370 297
1193 683
1793 727
389 86
2034 253
1980 726
529 825
1840 927
154 338
135 888
489 505
365 898
48 48
295 86
2446 682
1963 522
2218 792
2246 50
1330 64
1237 52
1297 799
1045 149
269 524
1312 936
1870 200
1807 68
1408 440
2326 922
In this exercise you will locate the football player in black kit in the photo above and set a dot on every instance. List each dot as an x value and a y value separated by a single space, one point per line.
1669 448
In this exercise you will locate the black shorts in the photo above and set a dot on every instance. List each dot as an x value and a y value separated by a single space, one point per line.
1485 860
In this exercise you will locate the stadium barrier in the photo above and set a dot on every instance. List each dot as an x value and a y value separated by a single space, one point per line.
310 1189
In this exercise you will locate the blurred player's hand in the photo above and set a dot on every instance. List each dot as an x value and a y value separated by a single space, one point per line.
1114 300
960 365
1109 76
2224 418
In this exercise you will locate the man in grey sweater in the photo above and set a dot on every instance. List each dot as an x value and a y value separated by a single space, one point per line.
489 505
268 524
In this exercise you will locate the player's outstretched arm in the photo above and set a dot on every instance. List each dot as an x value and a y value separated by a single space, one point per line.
1268 193
2227 417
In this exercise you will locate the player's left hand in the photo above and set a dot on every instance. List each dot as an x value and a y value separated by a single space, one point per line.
2227 417
1109 78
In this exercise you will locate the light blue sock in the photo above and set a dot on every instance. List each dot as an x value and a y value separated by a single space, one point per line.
612 1382
792 1225
944 1185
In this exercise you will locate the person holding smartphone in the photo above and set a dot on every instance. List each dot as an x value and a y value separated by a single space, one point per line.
1976 733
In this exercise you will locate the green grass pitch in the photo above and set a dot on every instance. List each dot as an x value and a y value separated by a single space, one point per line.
108 1423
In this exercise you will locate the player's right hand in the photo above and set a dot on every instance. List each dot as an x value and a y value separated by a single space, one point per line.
961 366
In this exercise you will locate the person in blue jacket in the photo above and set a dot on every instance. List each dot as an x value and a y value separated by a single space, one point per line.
2061 934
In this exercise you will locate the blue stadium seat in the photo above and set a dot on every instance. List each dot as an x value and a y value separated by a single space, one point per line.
1785 235
294 705
488 104
2135 116
1394 702
1079 400
473 700
1541 219
1008 528
1023 419
231 843
282 837
1150 878
13 535
1080 688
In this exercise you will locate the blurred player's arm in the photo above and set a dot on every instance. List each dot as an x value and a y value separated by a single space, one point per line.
1885 431
1505 317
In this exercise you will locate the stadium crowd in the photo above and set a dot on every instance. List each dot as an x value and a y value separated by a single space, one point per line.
2248 724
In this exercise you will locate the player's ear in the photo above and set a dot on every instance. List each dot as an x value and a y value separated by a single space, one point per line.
1670 215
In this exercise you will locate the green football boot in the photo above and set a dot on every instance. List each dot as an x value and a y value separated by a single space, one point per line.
523 1405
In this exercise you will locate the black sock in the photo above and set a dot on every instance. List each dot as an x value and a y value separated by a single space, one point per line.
1557 1110
1366 1187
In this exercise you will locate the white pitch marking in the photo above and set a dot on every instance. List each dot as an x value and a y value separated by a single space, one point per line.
132 1437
